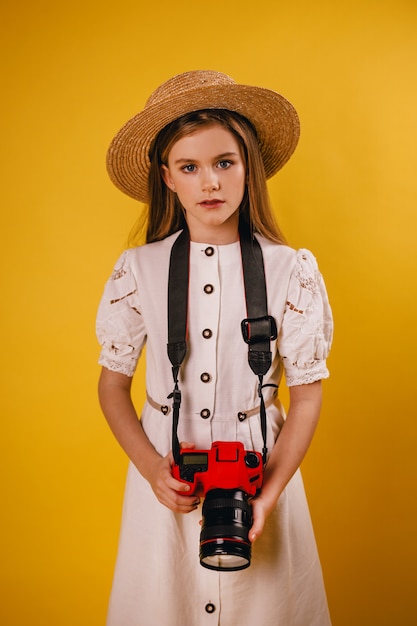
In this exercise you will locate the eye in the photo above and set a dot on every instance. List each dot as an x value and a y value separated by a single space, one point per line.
190 167
224 165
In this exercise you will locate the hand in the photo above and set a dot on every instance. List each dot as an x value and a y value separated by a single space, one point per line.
260 511
171 492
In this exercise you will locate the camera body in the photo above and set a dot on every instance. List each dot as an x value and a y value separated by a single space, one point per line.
227 465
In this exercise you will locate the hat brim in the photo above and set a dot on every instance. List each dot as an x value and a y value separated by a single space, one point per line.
275 119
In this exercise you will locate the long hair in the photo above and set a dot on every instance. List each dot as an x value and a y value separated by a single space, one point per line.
166 215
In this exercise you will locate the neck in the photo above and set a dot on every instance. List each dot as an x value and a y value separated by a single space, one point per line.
218 235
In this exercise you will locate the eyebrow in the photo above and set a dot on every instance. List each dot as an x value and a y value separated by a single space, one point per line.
224 155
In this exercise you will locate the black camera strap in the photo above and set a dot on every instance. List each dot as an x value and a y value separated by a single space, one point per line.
179 270
258 329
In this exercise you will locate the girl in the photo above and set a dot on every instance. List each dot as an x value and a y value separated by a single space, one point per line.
199 155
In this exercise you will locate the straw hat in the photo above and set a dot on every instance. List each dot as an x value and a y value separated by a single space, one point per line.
274 118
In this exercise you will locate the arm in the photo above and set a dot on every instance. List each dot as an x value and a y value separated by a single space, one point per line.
117 406
289 450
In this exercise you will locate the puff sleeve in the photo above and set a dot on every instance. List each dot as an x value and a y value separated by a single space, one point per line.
120 328
307 328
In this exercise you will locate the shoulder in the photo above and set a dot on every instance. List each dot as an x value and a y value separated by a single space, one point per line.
284 254
279 259
276 250
155 252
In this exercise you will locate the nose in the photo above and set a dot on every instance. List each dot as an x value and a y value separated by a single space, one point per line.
210 181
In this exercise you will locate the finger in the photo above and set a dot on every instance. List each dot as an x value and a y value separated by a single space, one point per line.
189 502
258 522
177 485
183 504
184 510
169 492
187 445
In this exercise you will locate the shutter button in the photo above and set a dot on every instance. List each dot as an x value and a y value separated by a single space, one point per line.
210 608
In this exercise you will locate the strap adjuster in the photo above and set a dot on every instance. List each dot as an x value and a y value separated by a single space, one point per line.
258 330
176 398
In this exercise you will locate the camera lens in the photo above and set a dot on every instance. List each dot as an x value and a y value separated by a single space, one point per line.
224 541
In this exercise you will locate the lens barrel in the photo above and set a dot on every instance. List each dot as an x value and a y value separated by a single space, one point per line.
224 540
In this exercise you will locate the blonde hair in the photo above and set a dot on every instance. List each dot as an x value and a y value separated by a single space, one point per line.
165 214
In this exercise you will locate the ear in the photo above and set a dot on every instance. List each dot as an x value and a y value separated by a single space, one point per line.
166 177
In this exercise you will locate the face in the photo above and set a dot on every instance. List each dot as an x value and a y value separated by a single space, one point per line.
207 172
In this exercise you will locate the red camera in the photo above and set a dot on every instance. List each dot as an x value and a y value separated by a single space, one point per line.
227 465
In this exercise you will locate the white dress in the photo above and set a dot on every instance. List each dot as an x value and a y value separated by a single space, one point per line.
158 577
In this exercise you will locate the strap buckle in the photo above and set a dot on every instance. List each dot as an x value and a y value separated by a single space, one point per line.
176 397
258 330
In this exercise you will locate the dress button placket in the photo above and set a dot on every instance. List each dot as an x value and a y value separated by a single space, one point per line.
209 315
204 325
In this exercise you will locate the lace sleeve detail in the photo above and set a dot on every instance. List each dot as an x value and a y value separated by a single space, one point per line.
120 327
307 328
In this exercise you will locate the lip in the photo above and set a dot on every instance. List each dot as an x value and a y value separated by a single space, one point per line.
211 203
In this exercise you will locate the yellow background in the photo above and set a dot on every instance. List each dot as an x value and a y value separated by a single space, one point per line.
72 73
